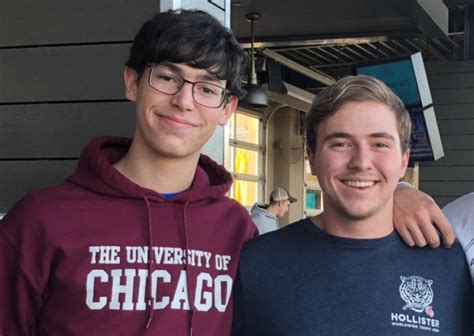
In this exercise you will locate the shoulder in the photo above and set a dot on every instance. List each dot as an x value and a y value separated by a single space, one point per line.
261 216
461 202
460 213
452 259
34 201
461 205
36 207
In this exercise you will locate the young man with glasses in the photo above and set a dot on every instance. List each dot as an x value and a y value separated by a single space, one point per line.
141 239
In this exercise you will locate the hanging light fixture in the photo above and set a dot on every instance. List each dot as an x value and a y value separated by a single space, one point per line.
256 96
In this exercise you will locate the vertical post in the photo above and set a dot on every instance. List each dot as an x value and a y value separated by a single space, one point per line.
468 32
218 8
412 175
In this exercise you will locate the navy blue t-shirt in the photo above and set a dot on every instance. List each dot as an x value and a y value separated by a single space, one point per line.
302 281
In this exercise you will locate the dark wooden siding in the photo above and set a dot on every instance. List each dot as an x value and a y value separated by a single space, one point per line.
452 88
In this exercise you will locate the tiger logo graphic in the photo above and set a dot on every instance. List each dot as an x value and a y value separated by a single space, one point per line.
416 292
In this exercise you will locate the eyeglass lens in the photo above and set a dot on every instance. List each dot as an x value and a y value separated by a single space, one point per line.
170 82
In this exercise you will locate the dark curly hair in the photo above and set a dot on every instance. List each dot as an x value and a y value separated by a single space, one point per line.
191 37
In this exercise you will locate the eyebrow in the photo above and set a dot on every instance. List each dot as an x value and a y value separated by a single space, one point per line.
383 135
202 77
335 135
345 135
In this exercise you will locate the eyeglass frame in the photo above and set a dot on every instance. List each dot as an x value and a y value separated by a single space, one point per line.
226 93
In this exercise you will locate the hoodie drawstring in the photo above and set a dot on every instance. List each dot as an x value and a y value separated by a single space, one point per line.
186 242
148 289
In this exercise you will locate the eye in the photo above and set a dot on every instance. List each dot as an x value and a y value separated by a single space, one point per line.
166 78
339 145
381 145
207 89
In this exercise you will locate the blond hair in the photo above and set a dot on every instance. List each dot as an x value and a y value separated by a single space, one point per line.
356 89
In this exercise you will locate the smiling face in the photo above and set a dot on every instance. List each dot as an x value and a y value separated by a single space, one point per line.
174 126
358 160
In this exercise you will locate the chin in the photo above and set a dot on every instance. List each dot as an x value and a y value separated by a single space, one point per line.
356 214
172 149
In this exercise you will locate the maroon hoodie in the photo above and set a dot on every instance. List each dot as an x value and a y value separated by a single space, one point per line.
100 255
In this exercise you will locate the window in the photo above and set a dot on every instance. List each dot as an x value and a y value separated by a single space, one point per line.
244 157
313 195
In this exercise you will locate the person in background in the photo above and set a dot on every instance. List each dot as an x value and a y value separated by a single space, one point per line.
460 213
347 271
265 216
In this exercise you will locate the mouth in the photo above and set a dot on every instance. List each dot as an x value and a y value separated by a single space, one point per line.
359 184
177 122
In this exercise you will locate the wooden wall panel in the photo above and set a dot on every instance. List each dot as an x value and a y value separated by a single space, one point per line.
73 73
463 79
458 142
456 127
60 130
454 158
20 177
26 22
453 96
452 86
446 173
436 68
454 111
448 188
444 200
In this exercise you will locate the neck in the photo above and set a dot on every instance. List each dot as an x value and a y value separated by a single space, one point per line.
378 225
273 209
159 173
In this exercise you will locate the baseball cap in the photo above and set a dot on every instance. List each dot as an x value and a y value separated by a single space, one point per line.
280 194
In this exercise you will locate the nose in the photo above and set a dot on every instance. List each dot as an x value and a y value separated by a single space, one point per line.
184 98
361 158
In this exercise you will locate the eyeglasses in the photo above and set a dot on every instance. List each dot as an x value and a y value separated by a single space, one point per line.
164 80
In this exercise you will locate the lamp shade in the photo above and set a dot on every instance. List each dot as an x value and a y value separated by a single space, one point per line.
255 96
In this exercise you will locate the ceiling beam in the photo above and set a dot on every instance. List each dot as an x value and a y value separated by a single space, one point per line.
316 75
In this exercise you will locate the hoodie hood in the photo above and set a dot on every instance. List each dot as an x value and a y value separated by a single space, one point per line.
260 209
263 219
95 172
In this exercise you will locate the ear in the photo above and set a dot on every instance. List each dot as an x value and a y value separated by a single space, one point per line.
312 160
227 111
405 159
130 77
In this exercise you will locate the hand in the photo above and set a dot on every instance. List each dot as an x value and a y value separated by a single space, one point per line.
418 218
